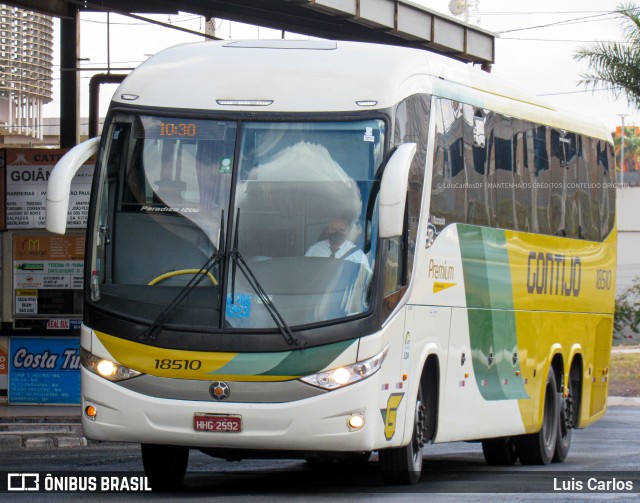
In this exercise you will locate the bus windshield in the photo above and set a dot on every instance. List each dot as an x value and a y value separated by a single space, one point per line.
292 199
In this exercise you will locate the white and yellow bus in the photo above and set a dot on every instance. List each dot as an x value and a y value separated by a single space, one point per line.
324 249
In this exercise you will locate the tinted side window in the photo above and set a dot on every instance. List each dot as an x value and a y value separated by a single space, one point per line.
607 199
478 141
448 194
502 183
412 126
494 170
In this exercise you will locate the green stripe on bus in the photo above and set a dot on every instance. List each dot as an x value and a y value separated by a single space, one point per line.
492 327
309 361
285 363
252 363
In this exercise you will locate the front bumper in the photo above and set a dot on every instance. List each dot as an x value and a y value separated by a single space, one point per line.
313 424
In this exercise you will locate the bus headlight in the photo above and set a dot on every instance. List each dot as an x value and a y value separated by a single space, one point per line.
106 368
349 374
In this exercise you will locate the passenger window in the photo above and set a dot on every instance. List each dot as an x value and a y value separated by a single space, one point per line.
588 192
478 136
502 174
521 189
607 191
541 182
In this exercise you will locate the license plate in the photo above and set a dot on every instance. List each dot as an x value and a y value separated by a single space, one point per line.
218 423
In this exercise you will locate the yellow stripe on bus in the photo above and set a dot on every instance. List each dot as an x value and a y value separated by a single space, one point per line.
162 362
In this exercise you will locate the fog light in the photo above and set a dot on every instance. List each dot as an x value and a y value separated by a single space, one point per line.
90 411
355 422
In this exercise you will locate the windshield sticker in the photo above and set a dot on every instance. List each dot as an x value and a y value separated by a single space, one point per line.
225 165
368 135
240 307
168 209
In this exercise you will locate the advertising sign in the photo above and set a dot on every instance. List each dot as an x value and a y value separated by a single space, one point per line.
44 371
4 365
27 174
47 275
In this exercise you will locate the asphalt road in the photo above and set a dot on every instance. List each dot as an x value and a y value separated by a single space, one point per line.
607 452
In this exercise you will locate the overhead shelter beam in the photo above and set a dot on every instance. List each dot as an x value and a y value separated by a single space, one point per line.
396 22
55 8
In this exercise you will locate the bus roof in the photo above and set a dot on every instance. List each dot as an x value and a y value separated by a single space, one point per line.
324 76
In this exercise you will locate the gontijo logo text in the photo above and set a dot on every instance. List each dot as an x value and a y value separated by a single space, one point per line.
553 274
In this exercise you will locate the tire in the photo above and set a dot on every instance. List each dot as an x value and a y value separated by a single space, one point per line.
500 451
565 425
403 465
539 448
164 465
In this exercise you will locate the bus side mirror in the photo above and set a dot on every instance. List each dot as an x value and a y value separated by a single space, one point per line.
393 191
59 185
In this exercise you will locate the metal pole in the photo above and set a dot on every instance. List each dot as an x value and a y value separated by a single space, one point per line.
622 152
108 45
69 99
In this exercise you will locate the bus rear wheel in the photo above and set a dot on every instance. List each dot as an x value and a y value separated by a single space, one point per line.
565 425
539 448
403 465
164 465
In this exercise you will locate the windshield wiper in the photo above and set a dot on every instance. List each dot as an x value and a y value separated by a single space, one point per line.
152 330
238 261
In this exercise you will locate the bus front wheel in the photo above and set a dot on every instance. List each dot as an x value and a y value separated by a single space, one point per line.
539 448
403 465
164 465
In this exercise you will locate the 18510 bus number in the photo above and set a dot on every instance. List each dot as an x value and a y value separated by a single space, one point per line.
603 279
167 364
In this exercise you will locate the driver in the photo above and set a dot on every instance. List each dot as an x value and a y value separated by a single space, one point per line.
336 245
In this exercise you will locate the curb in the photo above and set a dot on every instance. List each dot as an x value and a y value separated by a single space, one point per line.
38 443
623 401
41 432
10 442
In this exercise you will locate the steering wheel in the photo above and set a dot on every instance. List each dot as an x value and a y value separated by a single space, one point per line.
181 272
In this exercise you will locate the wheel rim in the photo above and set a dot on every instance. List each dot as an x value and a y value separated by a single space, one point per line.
418 441
566 415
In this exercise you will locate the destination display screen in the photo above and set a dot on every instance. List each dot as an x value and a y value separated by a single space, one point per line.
163 128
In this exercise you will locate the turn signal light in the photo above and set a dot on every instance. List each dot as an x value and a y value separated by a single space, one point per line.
90 411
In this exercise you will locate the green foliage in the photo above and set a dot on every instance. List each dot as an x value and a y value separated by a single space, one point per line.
631 147
616 65
627 315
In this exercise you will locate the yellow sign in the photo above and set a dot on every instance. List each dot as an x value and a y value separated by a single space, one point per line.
390 414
